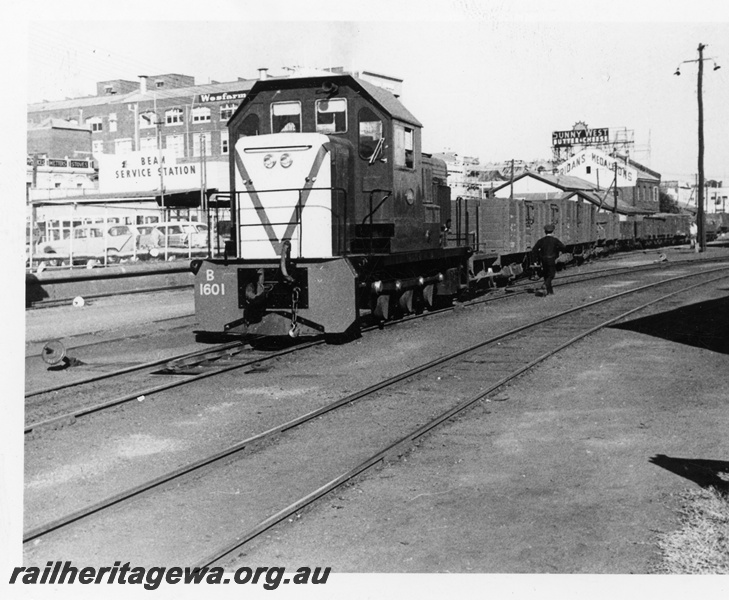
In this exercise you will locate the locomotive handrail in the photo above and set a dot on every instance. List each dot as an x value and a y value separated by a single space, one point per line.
372 212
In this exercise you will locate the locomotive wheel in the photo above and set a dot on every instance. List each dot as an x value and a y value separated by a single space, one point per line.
381 309
428 292
406 301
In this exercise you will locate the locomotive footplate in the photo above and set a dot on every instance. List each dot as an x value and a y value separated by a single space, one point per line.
256 297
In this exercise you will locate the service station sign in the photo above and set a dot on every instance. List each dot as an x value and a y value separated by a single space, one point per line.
145 172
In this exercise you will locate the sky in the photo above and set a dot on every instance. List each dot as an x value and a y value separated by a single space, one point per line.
487 79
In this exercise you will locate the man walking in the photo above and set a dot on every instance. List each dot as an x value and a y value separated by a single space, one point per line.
693 234
547 250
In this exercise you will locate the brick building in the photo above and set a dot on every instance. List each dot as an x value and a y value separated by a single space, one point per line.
59 159
161 112
637 185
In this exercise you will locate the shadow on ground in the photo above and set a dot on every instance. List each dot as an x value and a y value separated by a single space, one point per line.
705 473
703 325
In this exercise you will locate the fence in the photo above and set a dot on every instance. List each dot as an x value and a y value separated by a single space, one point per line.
64 237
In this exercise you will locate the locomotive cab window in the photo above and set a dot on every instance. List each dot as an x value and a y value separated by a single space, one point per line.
285 117
370 135
403 147
331 115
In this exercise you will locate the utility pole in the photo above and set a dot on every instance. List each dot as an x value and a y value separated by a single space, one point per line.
700 208
158 134
615 187
700 224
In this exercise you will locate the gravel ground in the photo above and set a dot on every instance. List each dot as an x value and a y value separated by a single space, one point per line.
560 474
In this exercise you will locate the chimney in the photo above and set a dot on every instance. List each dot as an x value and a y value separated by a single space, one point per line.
143 84
263 73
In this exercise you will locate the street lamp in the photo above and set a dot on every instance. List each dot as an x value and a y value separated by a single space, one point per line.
700 207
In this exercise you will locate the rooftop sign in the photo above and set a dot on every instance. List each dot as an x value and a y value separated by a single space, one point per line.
582 136
63 163
220 97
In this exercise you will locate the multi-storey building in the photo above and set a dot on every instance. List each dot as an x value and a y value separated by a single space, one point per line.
59 159
162 112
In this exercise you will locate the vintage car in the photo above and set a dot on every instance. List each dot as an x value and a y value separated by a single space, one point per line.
93 240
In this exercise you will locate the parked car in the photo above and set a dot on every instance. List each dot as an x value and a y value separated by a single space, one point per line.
149 236
94 239
183 234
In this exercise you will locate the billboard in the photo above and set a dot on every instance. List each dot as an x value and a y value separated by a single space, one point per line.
144 171
582 136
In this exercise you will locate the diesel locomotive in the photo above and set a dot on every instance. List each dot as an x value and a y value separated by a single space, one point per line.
336 212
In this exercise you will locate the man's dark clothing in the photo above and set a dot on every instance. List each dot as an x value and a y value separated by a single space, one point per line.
547 250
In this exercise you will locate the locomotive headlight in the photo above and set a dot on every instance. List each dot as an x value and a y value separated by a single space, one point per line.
269 161
286 160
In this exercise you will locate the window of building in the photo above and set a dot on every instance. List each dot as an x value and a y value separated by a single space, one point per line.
112 122
285 117
147 119
331 115
588 170
94 123
201 114
224 142
371 140
148 143
173 116
403 146
201 143
97 147
159 84
123 145
226 111
176 144
108 89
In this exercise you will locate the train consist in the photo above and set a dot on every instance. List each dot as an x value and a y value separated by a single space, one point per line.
337 213
502 231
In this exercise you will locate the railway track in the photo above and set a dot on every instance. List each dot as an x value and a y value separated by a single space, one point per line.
77 342
270 477
141 381
44 408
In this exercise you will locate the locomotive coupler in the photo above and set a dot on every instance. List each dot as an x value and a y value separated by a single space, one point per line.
294 330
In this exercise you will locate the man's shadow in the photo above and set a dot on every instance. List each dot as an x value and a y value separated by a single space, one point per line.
705 473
